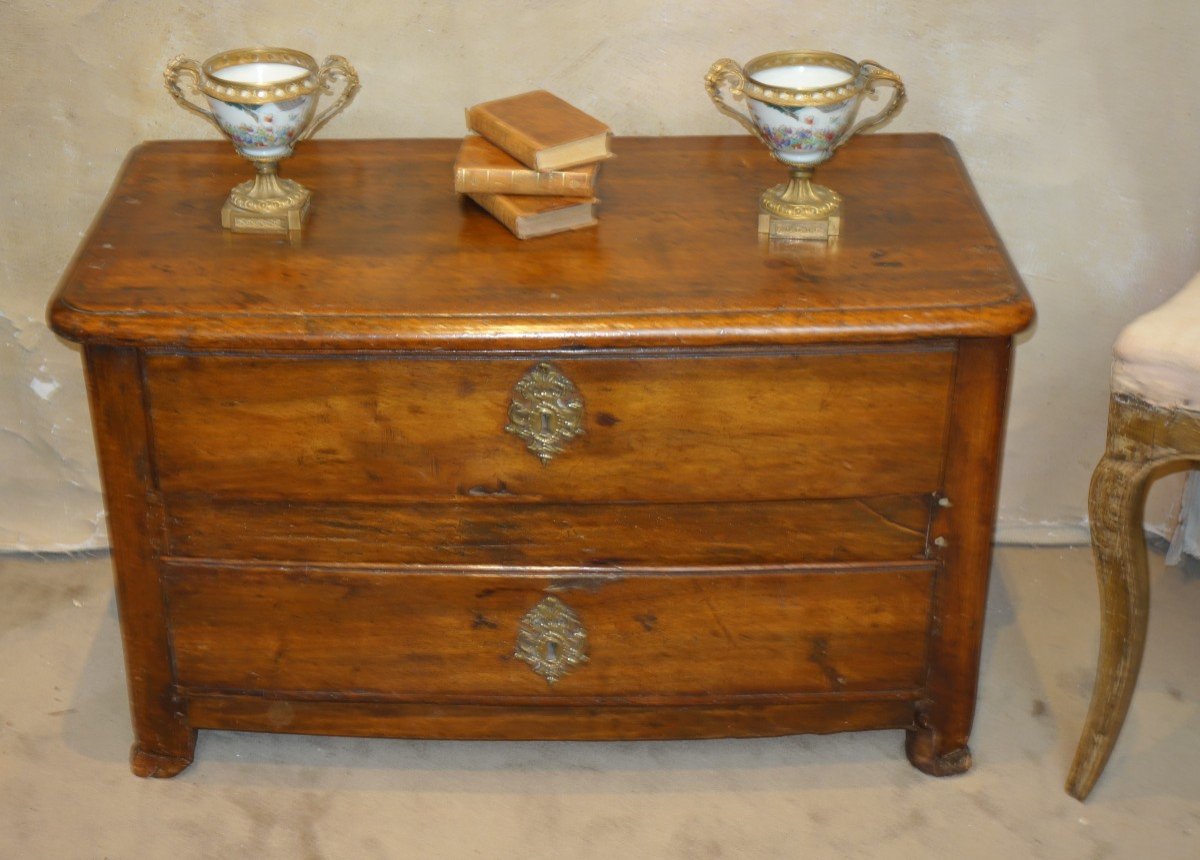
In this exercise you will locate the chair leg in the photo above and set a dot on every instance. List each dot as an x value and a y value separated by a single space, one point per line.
1115 504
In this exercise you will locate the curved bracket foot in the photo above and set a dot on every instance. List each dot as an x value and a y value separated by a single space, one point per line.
145 763
921 747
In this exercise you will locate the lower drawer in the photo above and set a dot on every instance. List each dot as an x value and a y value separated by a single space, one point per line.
657 636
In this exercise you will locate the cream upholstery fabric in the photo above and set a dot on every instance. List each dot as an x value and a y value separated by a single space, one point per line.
1157 356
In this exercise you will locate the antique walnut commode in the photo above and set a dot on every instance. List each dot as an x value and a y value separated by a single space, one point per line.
407 476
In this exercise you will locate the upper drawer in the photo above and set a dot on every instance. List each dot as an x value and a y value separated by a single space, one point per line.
814 424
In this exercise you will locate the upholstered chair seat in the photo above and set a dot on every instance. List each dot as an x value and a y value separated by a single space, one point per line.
1157 356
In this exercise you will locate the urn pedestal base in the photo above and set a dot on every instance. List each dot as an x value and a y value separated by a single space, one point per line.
266 204
822 230
238 220
800 209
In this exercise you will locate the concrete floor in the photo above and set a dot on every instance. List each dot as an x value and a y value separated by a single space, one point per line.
66 791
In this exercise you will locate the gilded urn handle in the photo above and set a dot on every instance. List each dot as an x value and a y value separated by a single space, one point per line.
877 74
182 67
335 68
727 71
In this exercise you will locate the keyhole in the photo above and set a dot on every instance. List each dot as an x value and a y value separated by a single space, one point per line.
550 651
547 423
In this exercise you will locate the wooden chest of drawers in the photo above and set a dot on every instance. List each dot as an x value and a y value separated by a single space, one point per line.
407 476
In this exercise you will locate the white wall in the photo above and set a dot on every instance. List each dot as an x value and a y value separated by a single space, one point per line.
1076 119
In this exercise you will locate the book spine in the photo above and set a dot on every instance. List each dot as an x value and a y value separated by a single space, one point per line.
502 181
516 143
499 209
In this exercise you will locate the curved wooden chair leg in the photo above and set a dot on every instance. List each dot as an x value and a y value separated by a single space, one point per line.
1142 437
1117 493
1115 504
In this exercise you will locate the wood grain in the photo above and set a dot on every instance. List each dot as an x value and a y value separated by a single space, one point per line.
392 259
490 531
393 635
962 538
704 428
531 722
778 517
163 741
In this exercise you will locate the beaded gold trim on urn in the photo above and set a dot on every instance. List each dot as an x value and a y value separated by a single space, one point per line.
546 411
551 639
305 82
741 79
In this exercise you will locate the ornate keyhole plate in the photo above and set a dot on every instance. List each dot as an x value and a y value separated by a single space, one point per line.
546 411
551 639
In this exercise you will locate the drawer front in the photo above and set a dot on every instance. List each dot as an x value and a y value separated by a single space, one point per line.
817 424
490 532
405 636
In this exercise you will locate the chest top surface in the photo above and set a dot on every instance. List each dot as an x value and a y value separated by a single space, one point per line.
391 258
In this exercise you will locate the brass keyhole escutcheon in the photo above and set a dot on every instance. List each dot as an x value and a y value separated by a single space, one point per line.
551 639
546 411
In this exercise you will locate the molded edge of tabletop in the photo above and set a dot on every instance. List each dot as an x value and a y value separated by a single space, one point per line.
260 331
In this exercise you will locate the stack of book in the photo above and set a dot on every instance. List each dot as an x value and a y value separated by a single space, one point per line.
533 163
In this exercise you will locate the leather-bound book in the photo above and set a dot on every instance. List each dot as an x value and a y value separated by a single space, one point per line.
530 217
541 130
484 167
